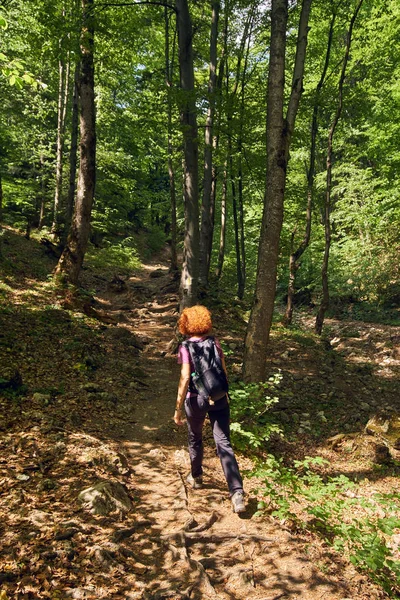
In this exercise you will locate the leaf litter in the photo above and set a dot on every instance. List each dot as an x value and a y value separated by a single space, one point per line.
94 403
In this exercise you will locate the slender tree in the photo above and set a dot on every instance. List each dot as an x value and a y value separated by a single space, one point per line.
63 92
71 260
1 198
221 74
169 65
190 268
279 133
319 321
235 171
241 287
73 153
207 206
295 255
222 237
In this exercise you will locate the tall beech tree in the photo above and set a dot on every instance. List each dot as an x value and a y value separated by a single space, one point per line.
190 268
279 133
319 321
71 260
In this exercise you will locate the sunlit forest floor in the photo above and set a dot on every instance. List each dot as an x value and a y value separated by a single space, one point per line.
87 391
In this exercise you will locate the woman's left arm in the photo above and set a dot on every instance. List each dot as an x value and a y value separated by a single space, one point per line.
182 390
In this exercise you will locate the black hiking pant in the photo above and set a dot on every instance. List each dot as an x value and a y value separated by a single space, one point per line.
196 409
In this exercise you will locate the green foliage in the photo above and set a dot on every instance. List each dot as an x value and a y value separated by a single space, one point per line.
293 493
13 70
152 241
122 257
251 424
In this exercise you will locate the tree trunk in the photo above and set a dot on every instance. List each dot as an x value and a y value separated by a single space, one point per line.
234 171
1 198
59 152
235 217
242 287
319 321
171 173
1 216
221 251
190 269
71 260
207 208
279 132
222 239
43 192
63 90
73 155
296 254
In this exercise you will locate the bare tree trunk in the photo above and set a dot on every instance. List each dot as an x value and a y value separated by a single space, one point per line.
319 321
234 170
296 254
171 173
71 260
242 287
207 208
215 175
63 90
1 216
59 152
235 217
43 192
1 198
190 269
73 155
279 133
222 239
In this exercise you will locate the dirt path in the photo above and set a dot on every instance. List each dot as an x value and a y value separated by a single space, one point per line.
190 544
95 391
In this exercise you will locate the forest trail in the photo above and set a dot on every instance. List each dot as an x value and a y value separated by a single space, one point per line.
189 543
91 400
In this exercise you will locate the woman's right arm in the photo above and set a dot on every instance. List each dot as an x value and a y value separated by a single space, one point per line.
182 390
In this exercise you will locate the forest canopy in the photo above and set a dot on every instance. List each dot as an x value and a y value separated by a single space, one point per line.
145 150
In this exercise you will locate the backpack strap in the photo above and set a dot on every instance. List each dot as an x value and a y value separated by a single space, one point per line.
186 344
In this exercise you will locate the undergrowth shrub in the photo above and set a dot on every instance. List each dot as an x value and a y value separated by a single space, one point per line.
251 424
326 507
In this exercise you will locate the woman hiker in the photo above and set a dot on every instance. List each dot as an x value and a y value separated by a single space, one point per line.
195 323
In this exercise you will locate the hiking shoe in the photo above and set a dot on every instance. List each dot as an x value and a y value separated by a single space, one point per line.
238 503
195 482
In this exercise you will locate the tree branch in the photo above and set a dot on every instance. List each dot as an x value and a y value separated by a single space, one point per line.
151 2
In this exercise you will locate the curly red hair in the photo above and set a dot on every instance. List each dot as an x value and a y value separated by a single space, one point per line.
195 320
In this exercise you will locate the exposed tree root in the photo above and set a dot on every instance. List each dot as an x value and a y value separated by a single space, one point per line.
206 525
191 538
180 552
